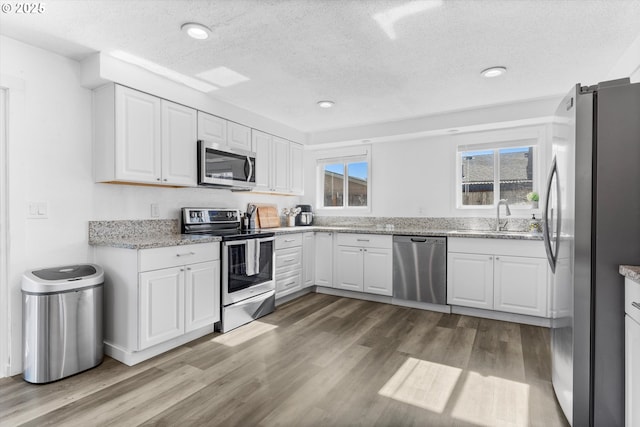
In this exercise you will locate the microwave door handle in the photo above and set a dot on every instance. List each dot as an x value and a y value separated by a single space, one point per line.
250 169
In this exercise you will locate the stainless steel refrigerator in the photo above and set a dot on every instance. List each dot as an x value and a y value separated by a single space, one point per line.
592 217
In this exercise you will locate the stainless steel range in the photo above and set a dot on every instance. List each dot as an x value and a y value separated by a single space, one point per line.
248 263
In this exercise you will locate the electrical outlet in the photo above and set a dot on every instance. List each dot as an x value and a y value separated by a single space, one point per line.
421 210
155 210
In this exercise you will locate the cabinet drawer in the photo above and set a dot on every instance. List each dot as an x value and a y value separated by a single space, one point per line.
288 260
288 283
631 296
469 245
288 241
365 240
173 256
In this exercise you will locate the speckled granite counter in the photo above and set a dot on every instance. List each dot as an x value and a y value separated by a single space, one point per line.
143 234
630 271
486 234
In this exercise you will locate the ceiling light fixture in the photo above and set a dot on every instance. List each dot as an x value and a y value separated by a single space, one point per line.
325 104
493 72
196 31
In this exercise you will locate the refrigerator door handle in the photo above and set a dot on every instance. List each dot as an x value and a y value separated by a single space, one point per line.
548 219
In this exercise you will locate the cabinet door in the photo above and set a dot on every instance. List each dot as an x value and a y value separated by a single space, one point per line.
324 259
238 136
378 271
202 295
161 306
137 142
520 285
262 144
281 165
308 259
349 268
296 172
470 280
179 144
632 372
212 128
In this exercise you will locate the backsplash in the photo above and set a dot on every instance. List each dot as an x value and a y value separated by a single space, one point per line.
459 223
132 228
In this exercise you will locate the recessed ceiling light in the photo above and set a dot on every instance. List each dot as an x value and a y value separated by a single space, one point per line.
493 72
196 31
325 104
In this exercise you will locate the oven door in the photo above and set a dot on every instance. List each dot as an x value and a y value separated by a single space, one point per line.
224 166
247 268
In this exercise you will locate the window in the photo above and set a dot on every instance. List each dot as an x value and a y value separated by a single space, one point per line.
487 174
336 192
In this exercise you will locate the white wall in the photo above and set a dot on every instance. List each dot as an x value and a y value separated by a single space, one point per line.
49 151
415 177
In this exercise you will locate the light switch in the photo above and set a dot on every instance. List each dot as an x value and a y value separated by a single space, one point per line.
38 210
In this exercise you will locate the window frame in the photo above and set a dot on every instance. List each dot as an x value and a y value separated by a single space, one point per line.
344 160
496 147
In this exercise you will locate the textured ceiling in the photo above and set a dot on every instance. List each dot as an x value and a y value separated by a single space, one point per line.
296 52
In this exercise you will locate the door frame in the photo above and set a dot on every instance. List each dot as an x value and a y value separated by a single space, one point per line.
5 333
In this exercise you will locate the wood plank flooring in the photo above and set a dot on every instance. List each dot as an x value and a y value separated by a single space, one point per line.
320 360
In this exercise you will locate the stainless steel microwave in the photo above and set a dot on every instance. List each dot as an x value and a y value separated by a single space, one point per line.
222 166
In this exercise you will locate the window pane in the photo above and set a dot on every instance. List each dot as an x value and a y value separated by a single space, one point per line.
477 178
516 175
334 185
357 184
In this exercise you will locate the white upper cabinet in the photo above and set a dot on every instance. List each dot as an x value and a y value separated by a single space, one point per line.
212 128
262 144
137 136
178 144
296 174
238 136
141 138
281 165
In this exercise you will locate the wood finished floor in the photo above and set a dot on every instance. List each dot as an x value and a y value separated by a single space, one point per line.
317 361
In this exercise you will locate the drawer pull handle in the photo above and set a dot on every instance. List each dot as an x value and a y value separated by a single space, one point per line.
289 240
363 240
289 259
186 254
291 283
636 305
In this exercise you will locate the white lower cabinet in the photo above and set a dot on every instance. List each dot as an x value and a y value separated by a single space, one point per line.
161 306
308 259
501 275
324 259
364 263
470 281
157 299
288 272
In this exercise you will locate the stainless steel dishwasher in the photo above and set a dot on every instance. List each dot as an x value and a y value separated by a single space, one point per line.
420 269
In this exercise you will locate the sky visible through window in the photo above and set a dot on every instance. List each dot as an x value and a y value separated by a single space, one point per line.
357 170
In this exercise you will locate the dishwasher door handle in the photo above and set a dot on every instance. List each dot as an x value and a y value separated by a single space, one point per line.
416 240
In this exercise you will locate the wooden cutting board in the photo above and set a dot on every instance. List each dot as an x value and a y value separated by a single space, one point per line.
268 216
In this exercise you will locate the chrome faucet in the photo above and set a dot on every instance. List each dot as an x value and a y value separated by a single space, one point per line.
508 213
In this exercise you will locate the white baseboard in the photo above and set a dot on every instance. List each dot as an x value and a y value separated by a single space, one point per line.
292 296
499 315
352 294
131 358
440 308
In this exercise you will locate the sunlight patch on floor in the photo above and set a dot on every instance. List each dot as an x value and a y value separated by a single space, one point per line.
421 383
492 401
243 333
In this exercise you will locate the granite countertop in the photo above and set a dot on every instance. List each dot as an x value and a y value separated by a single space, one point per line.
485 234
630 271
157 239
152 241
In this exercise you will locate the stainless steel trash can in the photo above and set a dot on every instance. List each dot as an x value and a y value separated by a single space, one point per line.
61 321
